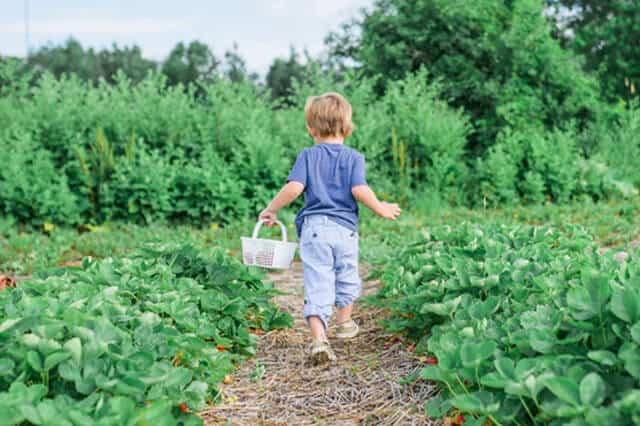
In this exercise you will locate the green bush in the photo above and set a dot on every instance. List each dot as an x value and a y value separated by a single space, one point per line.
427 137
31 189
207 193
149 152
535 166
620 146
140 189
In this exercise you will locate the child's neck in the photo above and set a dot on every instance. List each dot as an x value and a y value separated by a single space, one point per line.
332 140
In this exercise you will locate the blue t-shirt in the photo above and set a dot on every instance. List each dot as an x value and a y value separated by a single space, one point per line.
328 172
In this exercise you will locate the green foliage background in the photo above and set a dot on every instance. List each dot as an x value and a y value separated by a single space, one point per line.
455 103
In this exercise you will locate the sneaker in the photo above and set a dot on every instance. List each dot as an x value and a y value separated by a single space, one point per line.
347 330
320 352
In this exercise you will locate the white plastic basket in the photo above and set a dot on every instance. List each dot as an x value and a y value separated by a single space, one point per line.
265 253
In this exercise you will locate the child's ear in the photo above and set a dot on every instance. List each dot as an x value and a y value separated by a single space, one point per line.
311 132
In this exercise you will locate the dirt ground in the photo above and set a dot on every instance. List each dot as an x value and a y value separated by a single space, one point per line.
280 387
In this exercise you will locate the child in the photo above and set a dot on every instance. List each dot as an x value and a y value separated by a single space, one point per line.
332 177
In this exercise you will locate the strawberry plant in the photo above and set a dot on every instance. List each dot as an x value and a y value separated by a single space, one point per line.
526 325
128 341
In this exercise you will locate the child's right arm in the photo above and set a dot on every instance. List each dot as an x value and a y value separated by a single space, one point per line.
366 196
287 194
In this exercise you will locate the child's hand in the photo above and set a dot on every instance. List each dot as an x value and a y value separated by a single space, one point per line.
389 211
269 217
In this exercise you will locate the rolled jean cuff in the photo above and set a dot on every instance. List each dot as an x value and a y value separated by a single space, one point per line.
347 294
322 312
342 303
345 301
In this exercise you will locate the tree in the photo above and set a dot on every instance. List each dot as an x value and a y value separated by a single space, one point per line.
15 77
496 59
69 58
191 63
128 60
282 73
72 58
236 66
607 33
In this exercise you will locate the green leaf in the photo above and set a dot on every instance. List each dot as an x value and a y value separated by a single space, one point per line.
436 407
124 406
473 354
9 324
630 401
158 413
55 359
516 388
193 420
630 354
34 360
542 341
6 366
564 389
625 304
525 367
535 384
494 380
69 371
597 284
476 403
604 416
592 390
603 357
79 418
74 346
432 372
442 309
30 413
130 386
31 340
178 377
635 332
480 421
505 367
469 403
588 300
50 414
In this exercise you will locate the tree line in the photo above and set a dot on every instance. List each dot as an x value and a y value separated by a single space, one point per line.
187 63
459 41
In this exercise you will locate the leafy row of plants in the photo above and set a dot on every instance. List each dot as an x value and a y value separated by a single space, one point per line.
525 324
145 339
24 250
76 152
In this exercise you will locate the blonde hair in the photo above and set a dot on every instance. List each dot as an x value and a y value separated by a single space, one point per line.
329 115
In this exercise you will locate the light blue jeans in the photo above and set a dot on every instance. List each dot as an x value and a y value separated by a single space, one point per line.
329 254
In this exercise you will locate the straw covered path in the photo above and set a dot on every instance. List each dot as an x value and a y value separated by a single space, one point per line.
280 387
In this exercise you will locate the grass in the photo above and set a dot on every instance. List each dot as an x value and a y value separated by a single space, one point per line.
614 223
24 251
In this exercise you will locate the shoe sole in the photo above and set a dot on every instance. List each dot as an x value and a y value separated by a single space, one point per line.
321 357
348 335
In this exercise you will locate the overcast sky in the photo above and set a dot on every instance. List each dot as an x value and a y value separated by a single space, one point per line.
263 29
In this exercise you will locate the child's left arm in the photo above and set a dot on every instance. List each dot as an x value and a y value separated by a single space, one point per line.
287 194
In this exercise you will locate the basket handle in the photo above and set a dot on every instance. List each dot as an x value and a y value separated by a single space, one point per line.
256 229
